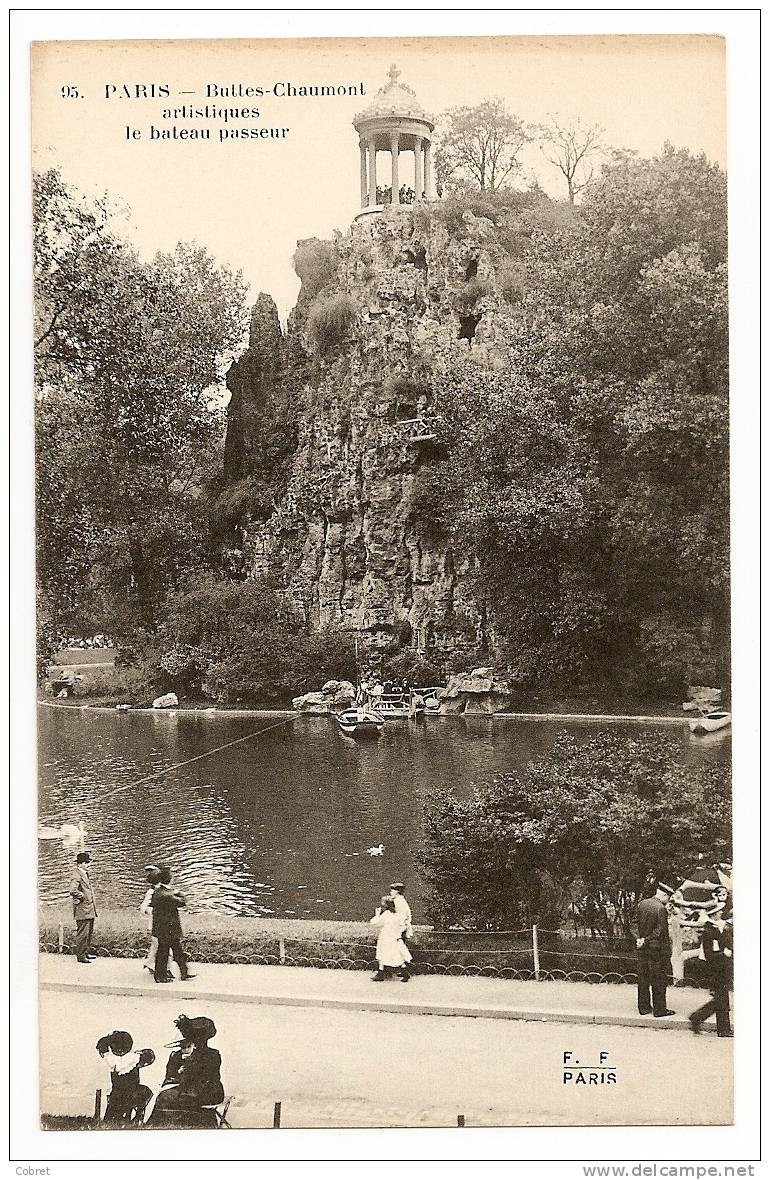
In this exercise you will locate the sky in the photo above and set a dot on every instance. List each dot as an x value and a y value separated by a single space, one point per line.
249 201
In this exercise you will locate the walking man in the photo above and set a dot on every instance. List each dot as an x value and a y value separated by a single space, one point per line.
717 944
83 908
653 946
167 928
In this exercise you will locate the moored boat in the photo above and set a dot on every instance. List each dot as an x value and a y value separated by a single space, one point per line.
361 722
709 722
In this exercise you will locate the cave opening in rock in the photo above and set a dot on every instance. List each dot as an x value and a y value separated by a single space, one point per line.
417 258
468 325
472 269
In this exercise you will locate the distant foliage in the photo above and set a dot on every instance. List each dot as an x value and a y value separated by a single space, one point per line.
591 820
330 321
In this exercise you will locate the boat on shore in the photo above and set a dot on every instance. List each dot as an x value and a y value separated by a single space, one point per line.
711 722
361 723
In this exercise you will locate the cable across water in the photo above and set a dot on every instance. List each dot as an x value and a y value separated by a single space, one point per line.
198 757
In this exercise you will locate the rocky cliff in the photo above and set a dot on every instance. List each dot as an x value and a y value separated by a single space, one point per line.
345 491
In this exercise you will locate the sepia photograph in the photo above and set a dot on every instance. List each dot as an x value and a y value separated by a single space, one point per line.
383 584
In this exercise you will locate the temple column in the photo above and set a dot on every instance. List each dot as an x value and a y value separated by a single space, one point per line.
428 177
364 190
394 186
417 168
372 146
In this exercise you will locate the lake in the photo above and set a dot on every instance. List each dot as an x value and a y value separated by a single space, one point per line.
279 825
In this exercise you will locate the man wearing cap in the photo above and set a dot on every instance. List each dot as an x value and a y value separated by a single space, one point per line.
653 946
83 908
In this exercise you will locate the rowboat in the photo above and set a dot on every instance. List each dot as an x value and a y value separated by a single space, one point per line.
361 723
709 722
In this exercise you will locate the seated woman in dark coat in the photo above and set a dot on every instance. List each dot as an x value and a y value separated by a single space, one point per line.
192 1085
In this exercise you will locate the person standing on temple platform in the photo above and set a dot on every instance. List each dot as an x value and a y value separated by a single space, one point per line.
653 945
717 947
83 908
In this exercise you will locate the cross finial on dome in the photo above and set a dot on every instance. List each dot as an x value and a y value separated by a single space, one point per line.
394 73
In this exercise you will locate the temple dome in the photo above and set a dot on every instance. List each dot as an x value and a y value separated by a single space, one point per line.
394 99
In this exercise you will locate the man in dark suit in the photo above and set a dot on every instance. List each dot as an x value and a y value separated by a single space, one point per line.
717 945
83 908
653 945
167 928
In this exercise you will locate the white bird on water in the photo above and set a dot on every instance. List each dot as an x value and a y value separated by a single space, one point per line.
70 834
376 850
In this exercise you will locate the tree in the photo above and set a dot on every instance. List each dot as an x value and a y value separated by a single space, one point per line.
571 147
237 641
128 356
594 450
480 145
592 819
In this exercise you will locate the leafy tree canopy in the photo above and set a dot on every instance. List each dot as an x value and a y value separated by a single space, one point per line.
593 448
128 358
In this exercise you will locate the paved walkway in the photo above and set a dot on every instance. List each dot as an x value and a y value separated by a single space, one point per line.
435 995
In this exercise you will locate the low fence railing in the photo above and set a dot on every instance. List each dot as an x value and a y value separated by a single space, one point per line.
529 954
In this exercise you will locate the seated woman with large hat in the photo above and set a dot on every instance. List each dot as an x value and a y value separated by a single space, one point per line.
192 1086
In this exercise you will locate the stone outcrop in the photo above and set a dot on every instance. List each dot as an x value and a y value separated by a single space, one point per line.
349 538
477 692
334 696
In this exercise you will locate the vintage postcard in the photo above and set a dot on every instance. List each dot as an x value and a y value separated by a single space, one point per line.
384 718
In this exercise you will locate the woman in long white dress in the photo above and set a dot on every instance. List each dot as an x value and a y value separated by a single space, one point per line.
392 952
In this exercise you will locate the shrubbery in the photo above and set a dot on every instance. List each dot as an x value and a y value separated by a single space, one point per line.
237 643
591 819
330 321
316 263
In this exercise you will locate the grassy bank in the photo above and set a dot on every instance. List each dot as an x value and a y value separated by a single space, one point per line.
219 938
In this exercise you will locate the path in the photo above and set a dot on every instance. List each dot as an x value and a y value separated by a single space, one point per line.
331 1067
498 999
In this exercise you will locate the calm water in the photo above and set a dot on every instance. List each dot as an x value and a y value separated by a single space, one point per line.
278 825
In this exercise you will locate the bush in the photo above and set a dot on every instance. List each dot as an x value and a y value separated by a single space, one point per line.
316 264
417 670
596 815
237 642
472 292
330 321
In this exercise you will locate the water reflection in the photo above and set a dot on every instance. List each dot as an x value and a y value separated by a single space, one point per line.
276 825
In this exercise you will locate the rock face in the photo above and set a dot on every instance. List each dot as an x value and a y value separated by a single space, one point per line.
356 535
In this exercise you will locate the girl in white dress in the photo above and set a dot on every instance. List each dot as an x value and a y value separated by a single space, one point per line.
152 873
391 951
